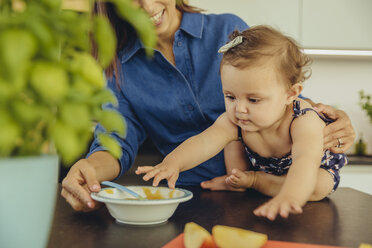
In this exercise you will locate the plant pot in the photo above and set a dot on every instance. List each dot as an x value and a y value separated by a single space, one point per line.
28 188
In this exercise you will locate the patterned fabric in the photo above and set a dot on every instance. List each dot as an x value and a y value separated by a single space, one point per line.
331 162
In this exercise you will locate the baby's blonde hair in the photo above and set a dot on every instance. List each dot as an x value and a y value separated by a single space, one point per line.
261 44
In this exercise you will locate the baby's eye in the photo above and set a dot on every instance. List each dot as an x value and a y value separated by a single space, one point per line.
254 100
230 97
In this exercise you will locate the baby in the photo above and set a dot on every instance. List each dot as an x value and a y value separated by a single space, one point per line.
262 72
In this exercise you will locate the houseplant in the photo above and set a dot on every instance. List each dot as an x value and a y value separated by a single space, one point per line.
51 89
366 104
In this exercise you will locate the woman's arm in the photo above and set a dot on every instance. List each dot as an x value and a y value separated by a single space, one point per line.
192 152
85 175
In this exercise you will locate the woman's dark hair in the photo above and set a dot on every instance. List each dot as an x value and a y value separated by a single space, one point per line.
125 33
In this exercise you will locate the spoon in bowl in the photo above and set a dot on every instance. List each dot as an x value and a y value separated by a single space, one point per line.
123 188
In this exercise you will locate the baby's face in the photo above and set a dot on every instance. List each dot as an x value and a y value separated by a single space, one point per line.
255 97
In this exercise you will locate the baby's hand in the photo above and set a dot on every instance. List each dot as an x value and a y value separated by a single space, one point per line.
160 172
282 205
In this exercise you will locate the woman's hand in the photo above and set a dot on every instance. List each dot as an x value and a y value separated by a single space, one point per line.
160 172
80 181
339 136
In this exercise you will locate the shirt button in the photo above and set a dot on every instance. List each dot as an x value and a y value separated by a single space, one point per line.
190 107
179 43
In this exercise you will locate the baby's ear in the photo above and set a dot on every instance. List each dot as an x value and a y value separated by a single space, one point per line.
293 92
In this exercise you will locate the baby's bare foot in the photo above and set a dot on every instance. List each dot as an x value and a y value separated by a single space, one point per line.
240 179
219 183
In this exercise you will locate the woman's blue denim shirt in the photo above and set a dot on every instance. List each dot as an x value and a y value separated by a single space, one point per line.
170 103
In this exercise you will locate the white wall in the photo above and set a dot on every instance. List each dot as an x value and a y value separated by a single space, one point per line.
337 82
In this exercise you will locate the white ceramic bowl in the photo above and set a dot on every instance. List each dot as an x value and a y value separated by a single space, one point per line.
128 210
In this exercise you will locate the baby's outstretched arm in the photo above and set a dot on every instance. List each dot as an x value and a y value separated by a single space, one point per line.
202 147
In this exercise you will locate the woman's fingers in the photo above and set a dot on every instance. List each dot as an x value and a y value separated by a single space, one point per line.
90 176
75 190
339 145
73 201
342 139
339 136
75 186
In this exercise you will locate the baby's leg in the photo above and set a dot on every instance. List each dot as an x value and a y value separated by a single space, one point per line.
234 158
270 185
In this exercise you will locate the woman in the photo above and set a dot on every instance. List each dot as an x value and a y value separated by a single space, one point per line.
171 97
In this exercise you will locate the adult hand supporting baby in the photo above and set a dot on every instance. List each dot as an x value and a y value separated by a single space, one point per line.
339 136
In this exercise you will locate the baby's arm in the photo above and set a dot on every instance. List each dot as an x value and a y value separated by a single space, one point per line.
192 152
307 152
235 157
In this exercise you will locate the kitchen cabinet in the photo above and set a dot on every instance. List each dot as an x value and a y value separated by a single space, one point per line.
337 24
315 24
281 14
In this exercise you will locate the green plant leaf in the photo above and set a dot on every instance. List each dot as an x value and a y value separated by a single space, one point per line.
104 96
76 115
105 39
6 89
9 132
66 141
111 144
89 69
53 4
16 48
27 113
140 20
112 121
82 86
50 81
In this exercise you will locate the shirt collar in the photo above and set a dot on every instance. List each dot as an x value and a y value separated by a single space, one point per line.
192 23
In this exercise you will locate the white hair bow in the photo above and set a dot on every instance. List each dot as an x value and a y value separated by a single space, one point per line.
236 41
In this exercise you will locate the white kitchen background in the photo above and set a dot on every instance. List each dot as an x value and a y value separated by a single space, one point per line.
336 79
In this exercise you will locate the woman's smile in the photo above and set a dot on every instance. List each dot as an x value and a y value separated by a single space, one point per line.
158 18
